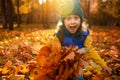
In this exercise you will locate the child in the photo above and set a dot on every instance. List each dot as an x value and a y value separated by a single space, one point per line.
72 33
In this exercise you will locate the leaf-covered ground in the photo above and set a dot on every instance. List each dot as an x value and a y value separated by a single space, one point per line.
19 48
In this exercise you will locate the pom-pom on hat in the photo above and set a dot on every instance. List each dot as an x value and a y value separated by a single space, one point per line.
66 7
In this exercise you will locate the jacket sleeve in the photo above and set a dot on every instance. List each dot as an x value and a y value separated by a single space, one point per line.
92 53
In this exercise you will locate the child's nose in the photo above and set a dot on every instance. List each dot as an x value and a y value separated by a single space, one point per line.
72 21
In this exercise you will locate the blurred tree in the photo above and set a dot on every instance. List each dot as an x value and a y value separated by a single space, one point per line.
109 10
86 8
4 14
7 13
23 9
46 20
18 12
86 5
10 14
102 12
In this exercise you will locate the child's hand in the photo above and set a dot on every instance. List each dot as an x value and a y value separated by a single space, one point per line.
81 51
70 56
107 69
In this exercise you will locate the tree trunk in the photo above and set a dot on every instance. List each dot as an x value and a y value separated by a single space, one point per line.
18 13
10 14
43 21
4 15
28 15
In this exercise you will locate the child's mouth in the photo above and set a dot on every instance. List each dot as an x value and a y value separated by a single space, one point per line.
72 27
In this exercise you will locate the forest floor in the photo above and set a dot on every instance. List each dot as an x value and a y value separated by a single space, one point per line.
28 41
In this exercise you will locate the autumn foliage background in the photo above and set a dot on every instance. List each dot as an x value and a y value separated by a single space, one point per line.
26 35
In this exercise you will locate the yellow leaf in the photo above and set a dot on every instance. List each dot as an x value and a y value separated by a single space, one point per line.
24 69
34 74
88 73
107 78
1 69
5 70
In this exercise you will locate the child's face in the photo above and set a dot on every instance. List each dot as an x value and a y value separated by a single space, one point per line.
72 23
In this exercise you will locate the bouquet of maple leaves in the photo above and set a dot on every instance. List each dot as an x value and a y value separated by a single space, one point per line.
55 62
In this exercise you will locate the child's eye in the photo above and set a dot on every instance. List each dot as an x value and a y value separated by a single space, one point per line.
68 18
76 18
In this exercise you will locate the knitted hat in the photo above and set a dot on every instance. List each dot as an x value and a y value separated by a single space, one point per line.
67 7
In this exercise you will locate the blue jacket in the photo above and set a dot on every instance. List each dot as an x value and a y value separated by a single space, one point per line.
77 39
